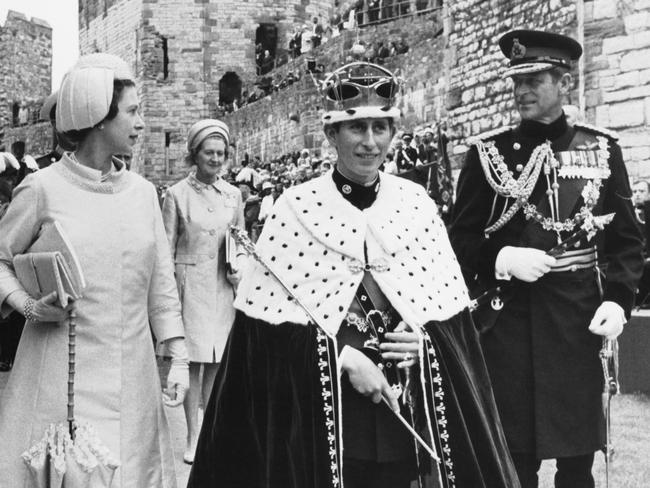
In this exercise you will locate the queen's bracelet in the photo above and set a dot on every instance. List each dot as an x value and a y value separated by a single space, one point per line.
28 309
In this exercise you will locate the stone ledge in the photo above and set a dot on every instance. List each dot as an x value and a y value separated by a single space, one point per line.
626 114
616 44
635 60
605 9
627 94
636 22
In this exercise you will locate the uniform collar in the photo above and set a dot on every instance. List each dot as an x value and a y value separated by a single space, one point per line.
358 195
199 186
539 130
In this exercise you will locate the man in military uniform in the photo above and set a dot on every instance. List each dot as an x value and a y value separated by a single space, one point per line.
523 190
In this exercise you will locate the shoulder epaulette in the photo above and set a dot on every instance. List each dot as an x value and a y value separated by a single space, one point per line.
489 134
598 130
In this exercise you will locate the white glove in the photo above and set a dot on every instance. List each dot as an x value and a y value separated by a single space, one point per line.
608 320
178 378
524 263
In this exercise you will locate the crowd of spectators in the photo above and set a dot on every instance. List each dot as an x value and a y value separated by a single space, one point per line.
262 182
309 36
266 85
263 87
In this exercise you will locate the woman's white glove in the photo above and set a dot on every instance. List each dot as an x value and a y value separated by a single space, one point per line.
178 378
524 263
235 277
608 320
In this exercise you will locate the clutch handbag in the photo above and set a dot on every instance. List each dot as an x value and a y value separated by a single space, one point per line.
50 264
231 252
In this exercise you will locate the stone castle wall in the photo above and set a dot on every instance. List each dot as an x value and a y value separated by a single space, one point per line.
453 73
25 80
617 95
180 50
453 69
38 138
264 128
111 26
478 99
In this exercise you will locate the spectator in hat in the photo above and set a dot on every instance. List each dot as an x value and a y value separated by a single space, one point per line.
251 204
267 201
197 212
427 151
317 32
266 62
304 160
112 220
406 156
247 174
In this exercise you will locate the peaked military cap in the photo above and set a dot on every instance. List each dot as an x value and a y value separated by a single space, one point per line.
531 51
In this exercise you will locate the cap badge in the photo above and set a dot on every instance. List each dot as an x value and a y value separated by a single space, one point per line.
518 50
347 189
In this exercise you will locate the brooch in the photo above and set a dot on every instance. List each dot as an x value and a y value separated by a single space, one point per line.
380 265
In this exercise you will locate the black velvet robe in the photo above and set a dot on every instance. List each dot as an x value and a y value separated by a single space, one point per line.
273 418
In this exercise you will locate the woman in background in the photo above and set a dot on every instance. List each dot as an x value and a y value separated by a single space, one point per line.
197 212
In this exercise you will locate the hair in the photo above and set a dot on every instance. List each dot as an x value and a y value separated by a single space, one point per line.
77 136
190 157
557 72
337 125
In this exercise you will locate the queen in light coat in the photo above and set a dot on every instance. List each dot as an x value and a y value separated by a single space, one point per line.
112 220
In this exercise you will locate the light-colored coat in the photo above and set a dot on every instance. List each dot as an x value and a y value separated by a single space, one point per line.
197 217
116 229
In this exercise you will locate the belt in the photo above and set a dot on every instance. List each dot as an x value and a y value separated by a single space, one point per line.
575 260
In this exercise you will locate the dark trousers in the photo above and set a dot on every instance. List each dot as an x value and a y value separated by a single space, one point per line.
370 474
572 472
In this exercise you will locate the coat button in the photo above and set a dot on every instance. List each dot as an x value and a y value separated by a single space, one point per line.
210 209
211 256
574 268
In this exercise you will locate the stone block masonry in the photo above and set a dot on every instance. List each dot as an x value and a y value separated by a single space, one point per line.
622 83
478 98
25 80
264 128
182 49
